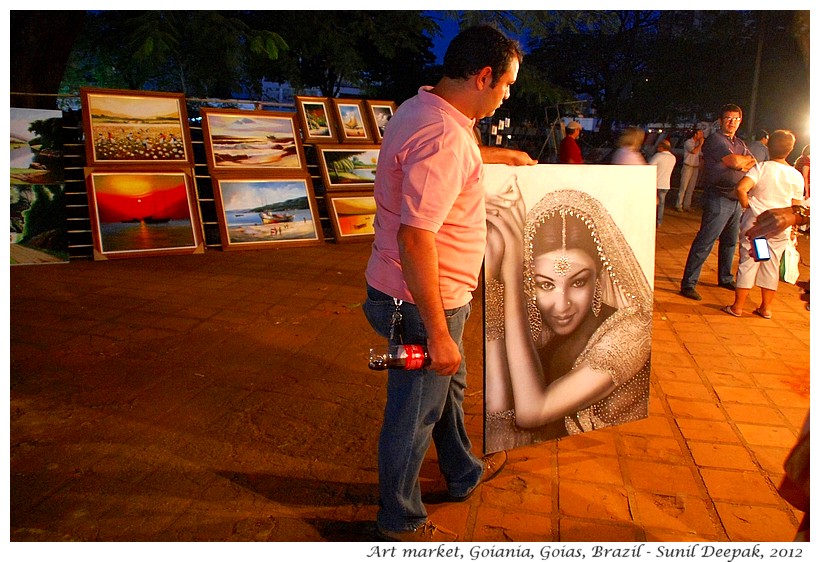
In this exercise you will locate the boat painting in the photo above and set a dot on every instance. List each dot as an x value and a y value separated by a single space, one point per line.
254 211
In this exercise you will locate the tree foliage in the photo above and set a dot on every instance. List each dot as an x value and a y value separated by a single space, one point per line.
203 53
383 52
675 66
633 66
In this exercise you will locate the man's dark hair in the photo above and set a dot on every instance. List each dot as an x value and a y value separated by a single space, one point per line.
730 108
478 47
762 134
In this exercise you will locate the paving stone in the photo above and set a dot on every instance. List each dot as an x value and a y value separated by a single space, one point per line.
224 397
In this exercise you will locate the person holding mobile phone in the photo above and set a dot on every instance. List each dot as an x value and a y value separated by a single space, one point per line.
768 185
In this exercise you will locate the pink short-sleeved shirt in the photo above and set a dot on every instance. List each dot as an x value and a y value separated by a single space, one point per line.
428 177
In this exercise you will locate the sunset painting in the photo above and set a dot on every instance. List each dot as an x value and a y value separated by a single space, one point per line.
353 215
139 212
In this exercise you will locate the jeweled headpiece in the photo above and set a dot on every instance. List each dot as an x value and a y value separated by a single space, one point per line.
563 264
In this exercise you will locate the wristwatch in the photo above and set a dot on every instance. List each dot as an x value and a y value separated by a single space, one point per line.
803 212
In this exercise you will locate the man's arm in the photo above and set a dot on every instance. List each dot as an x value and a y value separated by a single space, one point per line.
740 162
501 155
742 191
773 221
419 262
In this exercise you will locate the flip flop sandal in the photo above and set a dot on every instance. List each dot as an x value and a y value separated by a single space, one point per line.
766 316
728 310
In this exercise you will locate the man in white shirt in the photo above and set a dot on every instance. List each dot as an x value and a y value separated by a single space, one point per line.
689 171
665 162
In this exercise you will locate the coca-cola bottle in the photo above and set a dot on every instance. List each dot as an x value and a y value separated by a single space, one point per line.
406 356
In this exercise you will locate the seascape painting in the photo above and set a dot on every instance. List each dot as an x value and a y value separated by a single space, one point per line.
135 128
259 212
142 213
353 126
352 215
344 168
251 139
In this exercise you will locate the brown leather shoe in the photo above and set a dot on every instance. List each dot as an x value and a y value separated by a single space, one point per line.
493 463
426 532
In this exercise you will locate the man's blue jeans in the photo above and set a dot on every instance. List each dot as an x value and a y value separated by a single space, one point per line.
421 405
721 222
662 193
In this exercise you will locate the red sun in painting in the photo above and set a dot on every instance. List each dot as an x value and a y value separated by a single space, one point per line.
141 197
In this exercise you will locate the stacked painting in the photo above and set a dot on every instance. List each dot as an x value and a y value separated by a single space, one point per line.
141 196
346 134
37 213
263 192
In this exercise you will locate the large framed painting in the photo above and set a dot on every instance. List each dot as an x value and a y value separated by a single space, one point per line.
351 116
344 167
569 274
130 127
352 216
37 212
237 140
140 212
36 146
260 212
316 117
380 112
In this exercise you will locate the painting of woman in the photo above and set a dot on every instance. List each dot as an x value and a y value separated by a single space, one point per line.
568 320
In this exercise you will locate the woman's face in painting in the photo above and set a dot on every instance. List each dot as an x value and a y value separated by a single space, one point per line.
564 300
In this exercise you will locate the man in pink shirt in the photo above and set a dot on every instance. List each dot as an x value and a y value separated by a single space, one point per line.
426 259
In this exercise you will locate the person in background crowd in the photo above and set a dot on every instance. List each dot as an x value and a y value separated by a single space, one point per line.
629 147
802 166
689 171
760 147
773 221
727 159
665 162
569 151
770 185
430 239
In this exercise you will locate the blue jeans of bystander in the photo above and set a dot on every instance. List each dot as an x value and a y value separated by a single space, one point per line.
662 193
421 406
721 222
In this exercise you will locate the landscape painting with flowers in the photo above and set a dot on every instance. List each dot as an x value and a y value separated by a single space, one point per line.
135 127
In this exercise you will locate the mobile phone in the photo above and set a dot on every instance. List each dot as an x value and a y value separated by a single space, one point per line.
760 249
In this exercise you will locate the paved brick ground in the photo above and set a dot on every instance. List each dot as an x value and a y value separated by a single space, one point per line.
225 397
